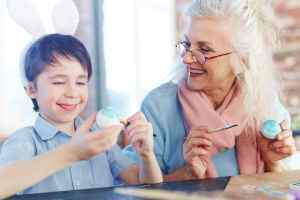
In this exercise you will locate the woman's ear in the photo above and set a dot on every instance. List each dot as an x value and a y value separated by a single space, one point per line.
244 61
31 90
239 64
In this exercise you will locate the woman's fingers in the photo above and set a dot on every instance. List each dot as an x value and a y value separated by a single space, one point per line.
198 133
284 134
284 125
289 141
196 152
287 150
198 142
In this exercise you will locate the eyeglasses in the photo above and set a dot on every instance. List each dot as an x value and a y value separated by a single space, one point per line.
198 55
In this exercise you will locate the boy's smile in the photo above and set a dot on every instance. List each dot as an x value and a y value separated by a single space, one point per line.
61 91
67 107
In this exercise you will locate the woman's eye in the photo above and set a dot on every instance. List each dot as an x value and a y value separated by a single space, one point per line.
186 44
204 50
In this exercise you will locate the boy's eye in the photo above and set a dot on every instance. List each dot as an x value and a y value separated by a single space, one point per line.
81 83
58 83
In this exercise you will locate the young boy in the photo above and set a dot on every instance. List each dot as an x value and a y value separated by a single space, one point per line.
22 174
58 68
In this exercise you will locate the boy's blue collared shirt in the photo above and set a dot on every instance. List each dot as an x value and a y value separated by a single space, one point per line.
99 171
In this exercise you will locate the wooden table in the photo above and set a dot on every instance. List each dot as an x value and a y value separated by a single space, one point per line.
269 185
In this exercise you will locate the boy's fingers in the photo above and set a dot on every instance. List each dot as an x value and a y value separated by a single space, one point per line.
137 116
110 130
107 132
114 128
138 125
87 124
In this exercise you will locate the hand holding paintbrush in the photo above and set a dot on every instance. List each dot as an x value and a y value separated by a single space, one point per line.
197 147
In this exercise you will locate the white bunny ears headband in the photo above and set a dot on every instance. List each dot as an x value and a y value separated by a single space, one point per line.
40 17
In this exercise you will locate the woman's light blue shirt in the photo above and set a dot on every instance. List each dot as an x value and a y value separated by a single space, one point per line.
162 108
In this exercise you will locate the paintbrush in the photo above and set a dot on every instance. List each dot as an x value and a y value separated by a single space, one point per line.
222 129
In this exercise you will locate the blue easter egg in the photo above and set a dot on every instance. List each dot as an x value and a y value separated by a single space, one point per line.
109 112
270 129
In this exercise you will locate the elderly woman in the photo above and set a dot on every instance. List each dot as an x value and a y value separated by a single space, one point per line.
228 78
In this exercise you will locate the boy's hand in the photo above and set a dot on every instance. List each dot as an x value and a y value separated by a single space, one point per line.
140 135
85 145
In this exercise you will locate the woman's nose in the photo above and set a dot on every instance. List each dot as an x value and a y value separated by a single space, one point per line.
188 58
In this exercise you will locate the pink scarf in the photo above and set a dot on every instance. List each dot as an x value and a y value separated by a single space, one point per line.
199 111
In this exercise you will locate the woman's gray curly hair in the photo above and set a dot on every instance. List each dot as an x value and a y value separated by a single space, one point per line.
254 39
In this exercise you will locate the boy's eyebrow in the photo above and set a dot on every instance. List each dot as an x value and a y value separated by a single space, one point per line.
65 76
57 76
83 76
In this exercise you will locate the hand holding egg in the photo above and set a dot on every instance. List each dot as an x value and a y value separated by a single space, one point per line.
277 143
107 117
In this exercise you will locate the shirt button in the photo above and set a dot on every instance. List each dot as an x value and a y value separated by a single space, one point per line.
77 183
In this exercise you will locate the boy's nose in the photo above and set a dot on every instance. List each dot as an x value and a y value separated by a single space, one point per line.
71 91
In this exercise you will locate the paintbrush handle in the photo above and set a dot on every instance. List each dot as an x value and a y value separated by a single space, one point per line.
222 129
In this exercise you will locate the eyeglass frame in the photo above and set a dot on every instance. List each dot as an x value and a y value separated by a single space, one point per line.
205 58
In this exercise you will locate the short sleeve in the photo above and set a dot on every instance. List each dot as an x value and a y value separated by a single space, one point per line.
19 146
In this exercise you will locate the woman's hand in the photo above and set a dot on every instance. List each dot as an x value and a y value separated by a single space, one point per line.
196 150
279 148
140 133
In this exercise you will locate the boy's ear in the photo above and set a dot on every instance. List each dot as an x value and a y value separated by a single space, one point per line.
31 90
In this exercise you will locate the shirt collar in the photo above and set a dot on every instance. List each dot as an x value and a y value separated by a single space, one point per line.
44 128
47 131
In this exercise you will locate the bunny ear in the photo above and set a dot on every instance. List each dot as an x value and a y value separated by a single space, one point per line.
25 15
65 17
21 67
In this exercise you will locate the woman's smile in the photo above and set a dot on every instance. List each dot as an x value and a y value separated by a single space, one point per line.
196 72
